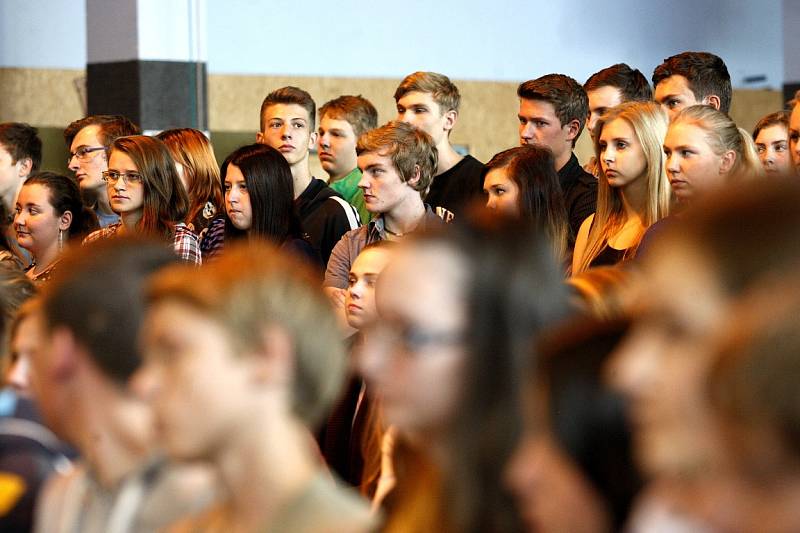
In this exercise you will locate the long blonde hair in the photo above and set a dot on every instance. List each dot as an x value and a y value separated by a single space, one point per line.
649 123
722 135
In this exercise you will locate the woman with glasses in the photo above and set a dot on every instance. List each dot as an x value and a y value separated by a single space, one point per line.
444 359
145 190
49 214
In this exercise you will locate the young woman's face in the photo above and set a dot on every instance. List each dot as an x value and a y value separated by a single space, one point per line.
621 154
359 301
188 370
692 166
237 199
126 192
36 222
772 144
662 365
413 357
502 192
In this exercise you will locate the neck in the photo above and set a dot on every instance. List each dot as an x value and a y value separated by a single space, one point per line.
266 465
10 197
45 258
406 216
634 198
102 204
334 178
301 176
115 434
130 220
563 159
448 157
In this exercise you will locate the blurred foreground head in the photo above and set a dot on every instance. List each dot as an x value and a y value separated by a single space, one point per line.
692 276
230 342
457 309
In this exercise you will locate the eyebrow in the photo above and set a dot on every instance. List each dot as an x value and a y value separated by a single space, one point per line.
373 165
668 96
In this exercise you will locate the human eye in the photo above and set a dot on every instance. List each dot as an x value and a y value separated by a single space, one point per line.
17 209
401 109
781 146
351 280
760 148
621 145
602 145
227 186
541 123
275 124
420 109
673 103
686 153
134 177
243 187
499 191
667 152
299 125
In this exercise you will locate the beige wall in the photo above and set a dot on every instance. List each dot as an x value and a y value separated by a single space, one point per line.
487 122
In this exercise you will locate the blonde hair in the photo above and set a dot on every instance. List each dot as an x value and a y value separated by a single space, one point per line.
722 135
649 123
255 285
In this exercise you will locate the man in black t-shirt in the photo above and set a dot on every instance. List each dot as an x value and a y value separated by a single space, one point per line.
552 112
430 102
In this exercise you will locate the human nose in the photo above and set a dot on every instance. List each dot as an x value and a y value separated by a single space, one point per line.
324 140
19 374
233 195
632 368
286 131
146 382
526 133
491 202
364 183
672 164
72 163
608 154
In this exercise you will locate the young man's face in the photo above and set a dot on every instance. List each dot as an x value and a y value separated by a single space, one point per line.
601 100
538 124
89 167
674 94
772 144
287 128
336 147
384 190
420 110
11 174
189 370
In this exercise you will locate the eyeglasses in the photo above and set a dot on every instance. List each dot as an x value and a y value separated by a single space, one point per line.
83 152
112 176
412 339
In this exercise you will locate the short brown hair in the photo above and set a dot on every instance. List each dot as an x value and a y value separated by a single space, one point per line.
407 147
631 83
566 95
274 289
111 127
442 90
355 110
705 73
290 95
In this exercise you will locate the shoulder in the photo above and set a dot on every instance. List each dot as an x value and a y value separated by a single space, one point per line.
102 233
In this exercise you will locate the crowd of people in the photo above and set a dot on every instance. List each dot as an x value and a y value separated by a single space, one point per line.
420 342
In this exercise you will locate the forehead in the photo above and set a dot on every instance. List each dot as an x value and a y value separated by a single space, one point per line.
618 127
374 158
537 108
34 193
606 96
28 330
673 85
233 173
774 132
794 119
286 112
497 175
4 153
371 261
88 136
424 284
418 98
329 123
685 134
121 160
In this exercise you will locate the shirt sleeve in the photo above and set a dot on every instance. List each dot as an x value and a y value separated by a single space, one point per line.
187 245
338 270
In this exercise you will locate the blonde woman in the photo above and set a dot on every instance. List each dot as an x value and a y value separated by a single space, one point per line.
633 191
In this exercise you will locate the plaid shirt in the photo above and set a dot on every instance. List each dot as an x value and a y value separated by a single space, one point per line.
184 241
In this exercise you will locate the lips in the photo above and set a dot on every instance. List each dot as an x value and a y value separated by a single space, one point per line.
119 197
286 148
325 156
354 308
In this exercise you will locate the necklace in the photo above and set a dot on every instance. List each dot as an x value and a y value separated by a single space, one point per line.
390 232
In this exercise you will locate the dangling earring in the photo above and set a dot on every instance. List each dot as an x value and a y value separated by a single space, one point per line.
60 239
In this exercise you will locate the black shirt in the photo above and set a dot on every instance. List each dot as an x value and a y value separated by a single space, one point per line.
324 217
580 195
457 187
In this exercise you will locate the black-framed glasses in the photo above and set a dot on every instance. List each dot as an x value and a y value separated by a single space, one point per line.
83 153
112 176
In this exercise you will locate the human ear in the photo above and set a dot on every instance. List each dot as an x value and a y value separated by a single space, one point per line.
450 118
728 160
65 221
573 127
712 100
413 180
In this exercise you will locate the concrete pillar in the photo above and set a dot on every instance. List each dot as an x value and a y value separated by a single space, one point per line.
146 59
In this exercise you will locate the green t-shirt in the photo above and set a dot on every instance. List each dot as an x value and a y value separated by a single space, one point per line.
348 188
